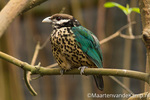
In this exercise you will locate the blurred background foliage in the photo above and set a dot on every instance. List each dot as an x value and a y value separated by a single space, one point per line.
26 30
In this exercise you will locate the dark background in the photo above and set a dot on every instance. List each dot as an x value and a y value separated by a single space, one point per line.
26 30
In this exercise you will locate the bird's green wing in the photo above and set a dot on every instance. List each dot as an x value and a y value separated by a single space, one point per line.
89 44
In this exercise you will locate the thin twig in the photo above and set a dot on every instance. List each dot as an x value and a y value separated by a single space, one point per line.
121 84
118 33
27 74
127 51
126 26
45 43
36 52
52 65
130 26
109 38
27 82
130 37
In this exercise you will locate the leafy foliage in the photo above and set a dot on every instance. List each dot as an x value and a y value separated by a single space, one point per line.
126 9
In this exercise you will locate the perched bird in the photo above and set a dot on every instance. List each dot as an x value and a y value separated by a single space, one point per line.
74 46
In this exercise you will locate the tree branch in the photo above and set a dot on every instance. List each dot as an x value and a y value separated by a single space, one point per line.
121 84
88 71
118 33
32 4
27 74
12 9
145 16
9 12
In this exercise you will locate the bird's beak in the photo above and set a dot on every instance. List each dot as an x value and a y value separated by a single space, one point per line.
47 20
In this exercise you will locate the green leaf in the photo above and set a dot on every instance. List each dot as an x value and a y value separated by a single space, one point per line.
126 9
109 4
113 4
137 10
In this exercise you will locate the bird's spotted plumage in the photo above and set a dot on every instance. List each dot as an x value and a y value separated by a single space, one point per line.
74 46
66 51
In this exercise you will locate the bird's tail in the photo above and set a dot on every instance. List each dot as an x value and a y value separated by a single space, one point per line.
99 82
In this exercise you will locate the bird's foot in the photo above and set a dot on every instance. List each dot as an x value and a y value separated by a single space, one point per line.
82 69
62 72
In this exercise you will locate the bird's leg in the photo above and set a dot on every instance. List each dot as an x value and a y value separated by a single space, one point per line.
62 71
82 69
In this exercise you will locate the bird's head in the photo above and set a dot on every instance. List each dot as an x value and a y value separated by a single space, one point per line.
61 20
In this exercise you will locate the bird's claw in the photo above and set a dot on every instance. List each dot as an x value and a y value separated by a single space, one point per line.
62 72
82 69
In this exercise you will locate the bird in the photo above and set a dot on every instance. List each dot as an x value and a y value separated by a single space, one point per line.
74 46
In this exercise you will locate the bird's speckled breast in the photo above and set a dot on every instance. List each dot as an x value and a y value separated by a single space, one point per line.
66 51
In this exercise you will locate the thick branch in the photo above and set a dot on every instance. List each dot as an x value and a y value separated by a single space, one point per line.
32 4
9 12
88 71
13 9
145 15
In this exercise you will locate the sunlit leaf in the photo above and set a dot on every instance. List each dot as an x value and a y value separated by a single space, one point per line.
137 10
109 4
113 4
126 9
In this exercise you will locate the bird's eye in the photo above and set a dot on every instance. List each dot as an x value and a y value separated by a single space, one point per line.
58 18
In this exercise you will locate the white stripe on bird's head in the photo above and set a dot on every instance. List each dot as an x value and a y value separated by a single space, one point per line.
55 21
60 21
